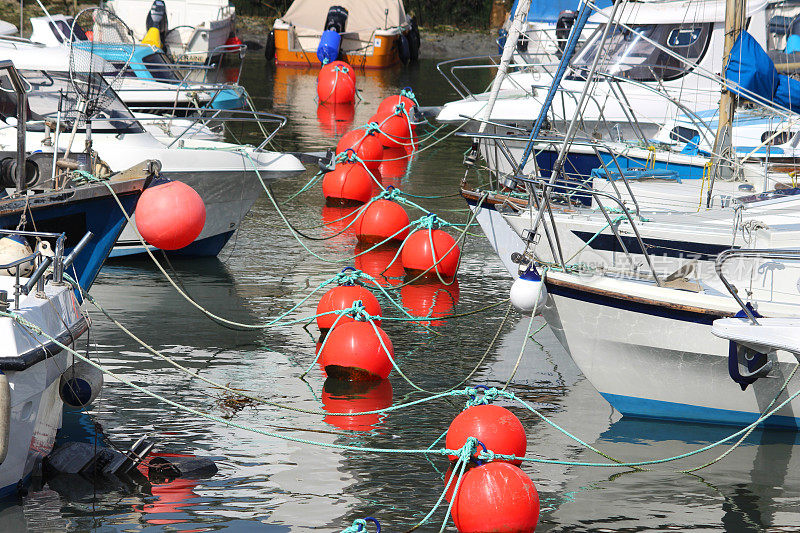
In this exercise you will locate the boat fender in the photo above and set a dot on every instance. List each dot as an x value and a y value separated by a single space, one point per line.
5 415
328 49
414 40
13 248
528 293
80 384
157 18
756 365
152 38
404 49
269 48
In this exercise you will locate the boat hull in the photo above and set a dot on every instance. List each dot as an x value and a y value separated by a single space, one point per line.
651 359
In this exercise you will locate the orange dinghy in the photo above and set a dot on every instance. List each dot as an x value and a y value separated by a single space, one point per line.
368 33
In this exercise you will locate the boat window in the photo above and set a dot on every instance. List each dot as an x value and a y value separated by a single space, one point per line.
781 138
50 88
118 65
159 67
683 134
63 29
632 55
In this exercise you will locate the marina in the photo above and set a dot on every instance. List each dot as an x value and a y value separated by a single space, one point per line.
319 278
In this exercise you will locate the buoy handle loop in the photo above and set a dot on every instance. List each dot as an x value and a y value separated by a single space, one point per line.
481 462
360 524
408 93
349 276
487 395
374 521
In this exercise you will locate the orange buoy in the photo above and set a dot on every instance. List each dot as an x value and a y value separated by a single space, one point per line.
347 184
352 352
170 215
395 131
419 257
430 300
366 145
335 119
496 427
343 67
382 263
389 105
335 86
496 497
381 220
342 297
355 397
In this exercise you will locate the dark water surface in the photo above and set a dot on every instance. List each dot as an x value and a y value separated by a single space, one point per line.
265 483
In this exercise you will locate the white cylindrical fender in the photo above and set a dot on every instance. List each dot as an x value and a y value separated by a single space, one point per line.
5 415
80 384
528 293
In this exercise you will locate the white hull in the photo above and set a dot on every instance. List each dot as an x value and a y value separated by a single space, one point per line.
33 378
650 356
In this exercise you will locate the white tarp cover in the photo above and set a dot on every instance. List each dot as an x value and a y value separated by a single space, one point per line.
363 15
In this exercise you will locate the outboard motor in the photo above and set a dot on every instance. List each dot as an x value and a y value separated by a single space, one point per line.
156 22
336 19
563 26
331 40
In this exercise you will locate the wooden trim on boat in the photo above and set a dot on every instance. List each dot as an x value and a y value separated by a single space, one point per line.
493 199
637 299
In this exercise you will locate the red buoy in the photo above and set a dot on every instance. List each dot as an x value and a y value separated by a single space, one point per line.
367 146
418 256
389 104
352 352
343 66
355 397
381 220
496 497
342 297
335 86
346 185
170 216
430 300
380 263
335 119
496 427
395 131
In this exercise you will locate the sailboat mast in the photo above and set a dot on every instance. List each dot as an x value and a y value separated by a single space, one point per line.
722 158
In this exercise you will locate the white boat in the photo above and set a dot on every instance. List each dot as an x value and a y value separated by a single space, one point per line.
195 30
633 67
225 175
31 369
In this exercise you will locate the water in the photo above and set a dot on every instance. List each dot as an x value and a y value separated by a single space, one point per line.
269 484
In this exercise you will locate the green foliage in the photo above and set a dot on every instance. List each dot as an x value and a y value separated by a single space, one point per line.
473 14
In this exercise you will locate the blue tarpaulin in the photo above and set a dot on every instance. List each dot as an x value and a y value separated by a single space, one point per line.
547 11
752 69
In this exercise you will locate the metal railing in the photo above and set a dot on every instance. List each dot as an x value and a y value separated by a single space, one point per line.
41 262
752 253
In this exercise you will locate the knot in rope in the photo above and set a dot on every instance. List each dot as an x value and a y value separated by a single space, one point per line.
400 109
390 193
481 395
487 456
360 524
372 127
349 276
348 156
408 93
428 221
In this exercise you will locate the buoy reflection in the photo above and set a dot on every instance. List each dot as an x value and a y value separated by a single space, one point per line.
430 300
382 263
335 119
355 397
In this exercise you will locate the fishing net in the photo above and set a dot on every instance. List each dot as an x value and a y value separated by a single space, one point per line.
100 50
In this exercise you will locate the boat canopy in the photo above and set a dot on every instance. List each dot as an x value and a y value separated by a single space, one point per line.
548 10
363 15
753 70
